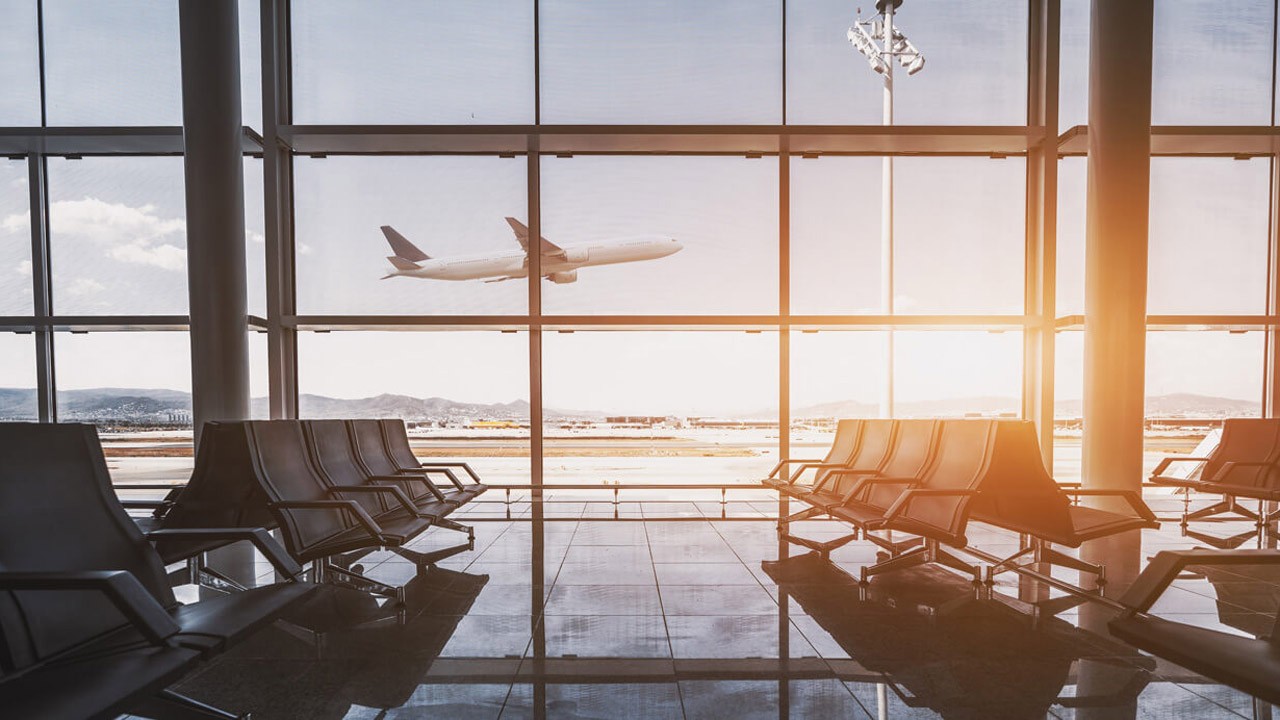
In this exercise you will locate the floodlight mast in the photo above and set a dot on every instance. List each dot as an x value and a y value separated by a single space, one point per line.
894 46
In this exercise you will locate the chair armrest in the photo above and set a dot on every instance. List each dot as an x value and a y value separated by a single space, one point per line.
119 586
1168 564
145 504
900 505
1249 491
402 480
783 463
1230 467
362 518
260 538
865 484
1166 461
795 475
395 492
462 465
1132 497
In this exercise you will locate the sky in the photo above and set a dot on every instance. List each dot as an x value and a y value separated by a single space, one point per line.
118 227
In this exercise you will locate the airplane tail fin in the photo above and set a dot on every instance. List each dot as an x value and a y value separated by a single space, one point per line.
401 265
517 227
402 247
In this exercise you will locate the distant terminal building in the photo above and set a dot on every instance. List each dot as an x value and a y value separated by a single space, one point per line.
719 423
495 425
638 420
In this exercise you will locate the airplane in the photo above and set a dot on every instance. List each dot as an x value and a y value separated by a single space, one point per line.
559 263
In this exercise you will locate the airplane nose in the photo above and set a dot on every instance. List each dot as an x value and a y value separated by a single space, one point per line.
676 245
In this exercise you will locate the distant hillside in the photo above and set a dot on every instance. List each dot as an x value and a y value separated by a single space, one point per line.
1172 405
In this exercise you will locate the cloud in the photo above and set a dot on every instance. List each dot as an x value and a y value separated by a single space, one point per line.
256 237
85 286
136 235
16 222
24 268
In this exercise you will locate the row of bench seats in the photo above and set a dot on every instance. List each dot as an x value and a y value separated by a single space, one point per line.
1244 465
930 478
89 626
337 490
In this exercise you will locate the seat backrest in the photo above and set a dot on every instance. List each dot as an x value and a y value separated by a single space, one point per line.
371 448
285 472
329 442
843 446
914 445
1247 440
396 437
1017 492
59 513
959 463
223 492
872 453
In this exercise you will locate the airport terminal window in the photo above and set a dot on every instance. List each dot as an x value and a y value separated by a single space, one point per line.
251 63
129 75
834 374
1209 233
17 377
140 401
1068 411
690 235
255 237
118 236
835 236
1199 375
1073 64
959 235
952 373
450 210
691 406
390 62
661 62
829 83
464 393
15 239
19 64
259 382
1069 273
1211 67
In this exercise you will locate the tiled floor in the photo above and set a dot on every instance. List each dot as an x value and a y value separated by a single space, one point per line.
577 617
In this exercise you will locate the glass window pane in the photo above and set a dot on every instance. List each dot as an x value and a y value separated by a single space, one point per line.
449 209
679 406
387 62
1069 280
835 236
954 373
255 237
251 63
1194 380
1068 411
136 387
259 381
1073 64
837 374
693 235
661 62
15 239
112 63
464 394
1209 229
828 82
118 236
19 64
1212 64
17 378
959 235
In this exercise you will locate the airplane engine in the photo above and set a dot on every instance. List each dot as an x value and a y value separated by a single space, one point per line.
575 255
562 278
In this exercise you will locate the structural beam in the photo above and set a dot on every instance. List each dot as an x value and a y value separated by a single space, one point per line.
212 136
1116 242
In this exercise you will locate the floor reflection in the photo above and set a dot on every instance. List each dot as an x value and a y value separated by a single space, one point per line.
558 616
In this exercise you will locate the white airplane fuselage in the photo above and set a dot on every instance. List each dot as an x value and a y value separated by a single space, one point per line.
503 265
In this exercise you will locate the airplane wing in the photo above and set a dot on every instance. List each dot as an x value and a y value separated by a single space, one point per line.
508 277
522 237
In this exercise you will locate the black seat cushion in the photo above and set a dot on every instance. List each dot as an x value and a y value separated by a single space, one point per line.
213 624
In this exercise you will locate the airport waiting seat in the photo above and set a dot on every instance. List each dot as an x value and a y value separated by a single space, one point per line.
843 448
1251 665
396 437
1018 494
375 455
1245 464
321 521
89 626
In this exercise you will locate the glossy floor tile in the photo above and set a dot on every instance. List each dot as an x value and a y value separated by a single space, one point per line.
714 618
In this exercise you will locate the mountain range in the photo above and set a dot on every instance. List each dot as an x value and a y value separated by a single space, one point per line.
139 405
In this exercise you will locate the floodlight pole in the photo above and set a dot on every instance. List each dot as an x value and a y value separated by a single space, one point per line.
886 211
